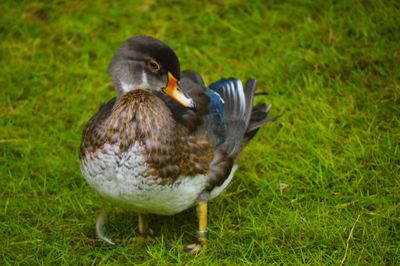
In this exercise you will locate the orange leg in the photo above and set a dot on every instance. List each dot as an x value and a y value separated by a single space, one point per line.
202 216
202 233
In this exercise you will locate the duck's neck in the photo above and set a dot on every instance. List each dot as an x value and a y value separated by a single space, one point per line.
140 81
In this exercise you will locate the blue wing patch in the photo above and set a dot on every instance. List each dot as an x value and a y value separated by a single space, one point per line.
215 120
216 104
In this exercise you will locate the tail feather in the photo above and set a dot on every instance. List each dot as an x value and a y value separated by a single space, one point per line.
258 118
250 89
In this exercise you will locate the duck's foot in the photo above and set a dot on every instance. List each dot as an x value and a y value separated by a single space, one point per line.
141 240
192 249
199 246
195 248
146 233
202 234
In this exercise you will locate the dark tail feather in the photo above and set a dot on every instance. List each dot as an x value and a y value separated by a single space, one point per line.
258 118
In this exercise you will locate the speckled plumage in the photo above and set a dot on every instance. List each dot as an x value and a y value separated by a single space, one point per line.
145 151
139 141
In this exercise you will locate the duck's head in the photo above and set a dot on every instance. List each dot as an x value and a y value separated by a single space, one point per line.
147 63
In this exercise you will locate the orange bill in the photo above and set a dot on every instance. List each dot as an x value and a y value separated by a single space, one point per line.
173 90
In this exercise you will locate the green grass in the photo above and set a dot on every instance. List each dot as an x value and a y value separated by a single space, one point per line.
331 68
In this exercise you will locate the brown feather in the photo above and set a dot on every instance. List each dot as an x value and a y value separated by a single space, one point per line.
141 116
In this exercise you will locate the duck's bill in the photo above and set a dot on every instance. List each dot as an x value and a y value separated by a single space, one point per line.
174 91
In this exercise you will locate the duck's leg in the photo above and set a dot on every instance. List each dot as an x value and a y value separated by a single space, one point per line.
146 233
144 229
100 229
202 233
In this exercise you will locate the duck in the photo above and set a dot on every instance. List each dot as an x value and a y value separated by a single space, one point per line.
166 142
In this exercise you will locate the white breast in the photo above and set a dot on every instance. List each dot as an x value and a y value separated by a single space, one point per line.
123 180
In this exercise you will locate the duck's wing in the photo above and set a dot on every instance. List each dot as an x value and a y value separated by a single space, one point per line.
241 119
226 112
241 122
228 116
236 106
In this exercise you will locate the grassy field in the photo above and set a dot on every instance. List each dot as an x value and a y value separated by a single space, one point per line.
320 186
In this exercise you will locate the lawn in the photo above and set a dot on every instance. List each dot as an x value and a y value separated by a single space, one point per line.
320 186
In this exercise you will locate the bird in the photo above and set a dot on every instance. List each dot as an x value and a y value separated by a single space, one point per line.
166 142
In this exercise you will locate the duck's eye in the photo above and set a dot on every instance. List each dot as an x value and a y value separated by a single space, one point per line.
153 66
